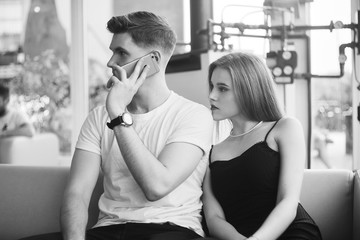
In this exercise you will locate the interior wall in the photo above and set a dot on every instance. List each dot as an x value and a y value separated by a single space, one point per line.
194 84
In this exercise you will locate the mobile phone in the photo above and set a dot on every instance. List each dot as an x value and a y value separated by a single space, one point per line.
150 59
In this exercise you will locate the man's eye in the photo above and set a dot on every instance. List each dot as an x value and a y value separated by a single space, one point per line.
120 52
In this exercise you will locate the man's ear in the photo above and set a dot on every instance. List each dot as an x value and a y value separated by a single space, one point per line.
157 55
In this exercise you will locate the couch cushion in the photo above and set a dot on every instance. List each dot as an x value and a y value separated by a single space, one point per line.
327 195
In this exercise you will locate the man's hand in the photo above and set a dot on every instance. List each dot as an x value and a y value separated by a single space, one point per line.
123 89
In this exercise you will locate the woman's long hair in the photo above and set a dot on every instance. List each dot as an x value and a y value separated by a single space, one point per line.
253 85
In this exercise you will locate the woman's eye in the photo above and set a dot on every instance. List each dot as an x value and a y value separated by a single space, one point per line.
222 89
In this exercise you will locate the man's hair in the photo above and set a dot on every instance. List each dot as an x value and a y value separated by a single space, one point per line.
4 91
253 85
146 30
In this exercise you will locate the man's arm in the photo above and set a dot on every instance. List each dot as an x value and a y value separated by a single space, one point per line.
83 177
157 177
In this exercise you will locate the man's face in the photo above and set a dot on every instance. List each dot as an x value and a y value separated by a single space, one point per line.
3 105
124 50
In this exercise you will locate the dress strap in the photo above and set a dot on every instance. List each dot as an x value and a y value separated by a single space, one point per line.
210 153
270 130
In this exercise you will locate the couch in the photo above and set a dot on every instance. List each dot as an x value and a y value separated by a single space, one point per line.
41 149
31 197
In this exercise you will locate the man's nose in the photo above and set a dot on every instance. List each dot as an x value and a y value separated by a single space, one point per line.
111 62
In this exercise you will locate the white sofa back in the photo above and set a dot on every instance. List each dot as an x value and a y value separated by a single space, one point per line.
332 199
31 198
41 149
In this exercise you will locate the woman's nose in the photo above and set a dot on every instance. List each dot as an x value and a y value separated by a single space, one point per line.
212 95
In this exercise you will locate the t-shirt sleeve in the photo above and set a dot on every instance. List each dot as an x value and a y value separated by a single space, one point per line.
91 131
195 127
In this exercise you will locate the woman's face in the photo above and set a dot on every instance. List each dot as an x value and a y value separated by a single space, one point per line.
222 96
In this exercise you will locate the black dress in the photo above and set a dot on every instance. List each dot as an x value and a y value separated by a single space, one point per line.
246 188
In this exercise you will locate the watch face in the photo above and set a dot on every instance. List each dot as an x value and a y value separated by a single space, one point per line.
127 119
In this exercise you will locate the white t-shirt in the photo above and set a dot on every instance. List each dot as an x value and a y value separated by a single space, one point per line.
13 120
176 120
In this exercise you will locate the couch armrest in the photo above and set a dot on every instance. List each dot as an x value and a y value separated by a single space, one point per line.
31 198
327 195
356 221
41 149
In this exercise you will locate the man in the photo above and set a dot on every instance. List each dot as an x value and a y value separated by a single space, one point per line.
150 143
12 121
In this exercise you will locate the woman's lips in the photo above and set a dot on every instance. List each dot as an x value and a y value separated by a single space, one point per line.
213 107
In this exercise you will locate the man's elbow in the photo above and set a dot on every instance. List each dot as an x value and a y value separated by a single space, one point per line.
156 193
153 197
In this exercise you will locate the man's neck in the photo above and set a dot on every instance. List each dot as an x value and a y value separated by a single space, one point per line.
149 97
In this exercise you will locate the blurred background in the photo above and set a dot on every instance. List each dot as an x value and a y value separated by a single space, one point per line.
53 55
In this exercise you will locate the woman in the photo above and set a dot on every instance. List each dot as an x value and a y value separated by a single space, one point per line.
252 186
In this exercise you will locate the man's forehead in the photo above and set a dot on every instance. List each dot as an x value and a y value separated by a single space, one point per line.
122 40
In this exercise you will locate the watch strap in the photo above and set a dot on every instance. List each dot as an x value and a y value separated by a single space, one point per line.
113 123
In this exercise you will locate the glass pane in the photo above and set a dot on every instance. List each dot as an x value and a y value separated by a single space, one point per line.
331 97
37 34
99 53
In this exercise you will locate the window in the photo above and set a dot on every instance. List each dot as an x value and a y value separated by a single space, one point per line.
36 33
331 97
247 12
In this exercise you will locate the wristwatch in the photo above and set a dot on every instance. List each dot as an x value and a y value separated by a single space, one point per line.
125 120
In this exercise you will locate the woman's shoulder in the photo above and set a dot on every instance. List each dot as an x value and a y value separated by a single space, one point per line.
288 122
287 126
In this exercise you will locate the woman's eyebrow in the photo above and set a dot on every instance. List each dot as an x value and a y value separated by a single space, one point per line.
221 84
